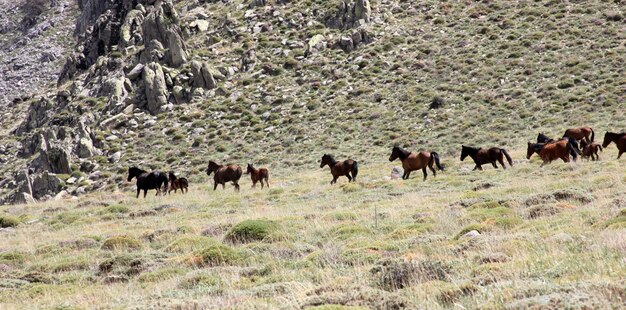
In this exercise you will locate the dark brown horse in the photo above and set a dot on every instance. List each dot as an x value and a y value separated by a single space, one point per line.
147 180
178 183
551 151
338 169
486 156
258 175
580 134
618 138
591 150
223 174
415 161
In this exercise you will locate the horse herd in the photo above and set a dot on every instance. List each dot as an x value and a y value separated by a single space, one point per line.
575 142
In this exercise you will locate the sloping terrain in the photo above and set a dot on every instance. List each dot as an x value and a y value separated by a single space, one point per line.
538 238
284 82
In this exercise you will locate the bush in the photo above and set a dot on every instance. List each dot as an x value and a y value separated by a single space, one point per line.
122 242
216 255
251 230
8 221
189 244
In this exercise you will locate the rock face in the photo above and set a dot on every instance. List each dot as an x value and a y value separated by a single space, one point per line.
202 75
350 14
156 90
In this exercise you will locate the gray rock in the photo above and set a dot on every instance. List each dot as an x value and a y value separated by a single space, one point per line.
396 173
471 234
156 90
202 75
85 148
135 72
178 51
200 24
115 157
58 159
47 184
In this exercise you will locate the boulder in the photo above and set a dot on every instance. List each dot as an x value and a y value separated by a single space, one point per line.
202 75
135 72
131 30
58 159
156 90
396 173
471 234
85 148
178 51
200 24
46 184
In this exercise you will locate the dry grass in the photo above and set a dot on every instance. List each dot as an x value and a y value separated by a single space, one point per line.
329 242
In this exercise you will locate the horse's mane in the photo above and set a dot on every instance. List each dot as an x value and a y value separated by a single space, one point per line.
403 153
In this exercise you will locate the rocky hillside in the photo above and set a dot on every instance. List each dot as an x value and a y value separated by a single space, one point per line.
172 84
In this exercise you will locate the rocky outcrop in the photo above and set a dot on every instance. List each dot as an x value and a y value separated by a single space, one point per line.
352 41
38 113
350 14
202 75
156 90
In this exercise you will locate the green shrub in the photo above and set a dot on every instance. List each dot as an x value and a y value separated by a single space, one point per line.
252 230
216 255
189 244
8 221
122 242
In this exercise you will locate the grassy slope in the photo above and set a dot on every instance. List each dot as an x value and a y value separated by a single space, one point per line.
329 242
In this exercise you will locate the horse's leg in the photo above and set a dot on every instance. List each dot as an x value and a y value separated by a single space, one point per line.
236 186
138 191
620 154
349 177
404 175
253 184
224 185
145 192
433 169
267 182
476 168
215 185
408 173
493 163
425 173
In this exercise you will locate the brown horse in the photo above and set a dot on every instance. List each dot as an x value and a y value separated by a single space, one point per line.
258 175
551 151
590 150
580 134
486 156
178 183
415 161
223 174
338 169
618 138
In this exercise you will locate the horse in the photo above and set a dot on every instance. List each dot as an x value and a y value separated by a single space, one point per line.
618 138
580 134
223 174
178 183
258 175
338 169
541 138
591 149
551 151
147 180
415 161
486 156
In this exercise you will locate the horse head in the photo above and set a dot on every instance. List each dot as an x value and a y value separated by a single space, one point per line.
607 139
250 169
133 172
464 152
395 151
327 159
530 150
212 167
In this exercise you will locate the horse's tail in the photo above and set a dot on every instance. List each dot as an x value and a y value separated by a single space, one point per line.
508 157
434 156
593 134
355 170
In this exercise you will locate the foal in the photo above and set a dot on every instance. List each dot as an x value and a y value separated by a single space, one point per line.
178 183
338 169
415 161
258 175
591 149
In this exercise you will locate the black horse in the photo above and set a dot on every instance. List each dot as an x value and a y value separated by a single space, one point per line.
541 138
148 180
